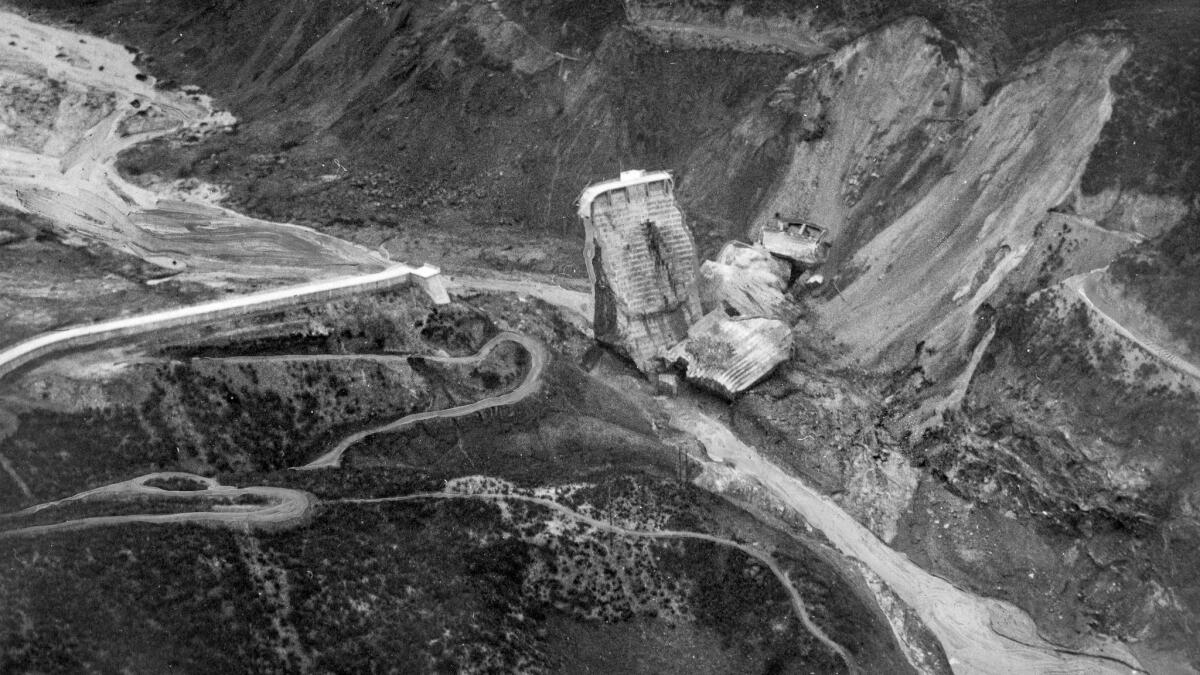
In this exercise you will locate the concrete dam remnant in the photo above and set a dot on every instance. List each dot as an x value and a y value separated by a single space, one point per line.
651 297
641 260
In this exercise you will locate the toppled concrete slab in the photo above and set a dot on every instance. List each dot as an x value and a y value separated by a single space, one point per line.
730 354
667 384
795 239
641 260
748 281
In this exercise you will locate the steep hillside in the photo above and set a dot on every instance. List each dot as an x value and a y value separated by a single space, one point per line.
423 126
967 156
433 114
922 278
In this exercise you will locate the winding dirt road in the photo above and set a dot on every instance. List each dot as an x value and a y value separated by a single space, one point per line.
530 385
283 507
1081 283
797 601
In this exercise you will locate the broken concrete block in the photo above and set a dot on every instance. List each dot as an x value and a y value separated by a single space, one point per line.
756 262
642 263
749 281
795 239
730 354
667 384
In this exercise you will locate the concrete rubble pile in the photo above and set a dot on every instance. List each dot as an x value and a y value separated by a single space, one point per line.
651 298
747 281
730 354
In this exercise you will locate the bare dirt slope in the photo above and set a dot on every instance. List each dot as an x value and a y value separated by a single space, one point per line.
74 106
924 276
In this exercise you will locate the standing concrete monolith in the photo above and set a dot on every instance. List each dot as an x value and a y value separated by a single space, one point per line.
642 263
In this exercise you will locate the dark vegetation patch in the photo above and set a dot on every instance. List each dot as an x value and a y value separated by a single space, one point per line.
637 647
142 598
571 427
505 368
459 329
59 454
223 417
396 321
677 505
1151 141
385 583
274 414
1150 145
537 319
205 415
177 484
458 583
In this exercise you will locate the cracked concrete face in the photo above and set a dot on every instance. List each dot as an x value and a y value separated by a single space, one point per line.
642 262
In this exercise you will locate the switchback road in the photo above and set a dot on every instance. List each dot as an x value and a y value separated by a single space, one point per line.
531 383
281 507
